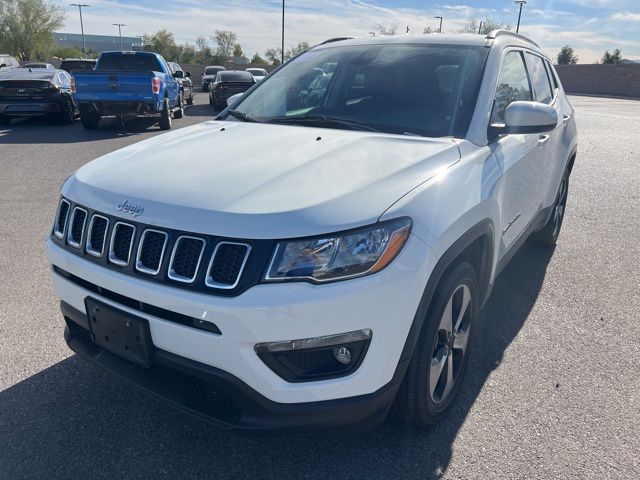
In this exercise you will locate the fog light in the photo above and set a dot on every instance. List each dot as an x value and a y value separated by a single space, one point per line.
342 354
316 358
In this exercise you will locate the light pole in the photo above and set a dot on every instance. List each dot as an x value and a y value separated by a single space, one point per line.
119 25
282 43
439 29
521 3
480 27
80 5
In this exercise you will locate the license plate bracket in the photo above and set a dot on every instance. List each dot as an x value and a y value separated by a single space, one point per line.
119 332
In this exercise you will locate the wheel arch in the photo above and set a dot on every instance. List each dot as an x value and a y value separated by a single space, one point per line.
475 246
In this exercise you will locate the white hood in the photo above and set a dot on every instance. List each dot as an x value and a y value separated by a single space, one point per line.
250 180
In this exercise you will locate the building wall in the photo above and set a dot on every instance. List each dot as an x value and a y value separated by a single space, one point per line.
100 43
620 80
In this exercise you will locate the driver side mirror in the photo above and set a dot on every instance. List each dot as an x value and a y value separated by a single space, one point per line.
178 74
2 65
528 117
234 99
188 74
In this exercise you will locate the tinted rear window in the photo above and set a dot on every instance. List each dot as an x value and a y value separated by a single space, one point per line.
212 70
235 77
77 65
129 63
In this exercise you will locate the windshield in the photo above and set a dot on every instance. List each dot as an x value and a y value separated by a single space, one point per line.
129 62
257 71
417 89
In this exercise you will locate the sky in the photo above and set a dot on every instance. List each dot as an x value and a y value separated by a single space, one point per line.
589 26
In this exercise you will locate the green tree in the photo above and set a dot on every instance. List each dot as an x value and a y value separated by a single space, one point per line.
66 52
162 42
203 50
567 56
296 50
615 57
258 60
26 27
488 26
237 51
274 56
226 41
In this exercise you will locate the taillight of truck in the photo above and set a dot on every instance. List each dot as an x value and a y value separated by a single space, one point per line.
155 85
73 85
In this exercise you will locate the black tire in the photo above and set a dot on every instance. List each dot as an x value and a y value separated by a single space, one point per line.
179 111
190 99
89 120
205 88
165 116
67 113
417 402
548 235
210 100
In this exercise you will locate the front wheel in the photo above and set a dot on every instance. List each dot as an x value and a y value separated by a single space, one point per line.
440 358
165 116
190 99
548 235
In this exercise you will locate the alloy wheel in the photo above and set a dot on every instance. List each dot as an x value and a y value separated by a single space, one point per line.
450 344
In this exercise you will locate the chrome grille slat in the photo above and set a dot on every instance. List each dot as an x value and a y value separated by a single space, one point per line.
212 279
90 246
140 264
113 257
72 233
61 214
176 255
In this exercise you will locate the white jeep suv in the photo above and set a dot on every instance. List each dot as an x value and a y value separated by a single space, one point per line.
343 267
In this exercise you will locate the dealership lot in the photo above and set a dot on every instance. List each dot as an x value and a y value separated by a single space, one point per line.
552 391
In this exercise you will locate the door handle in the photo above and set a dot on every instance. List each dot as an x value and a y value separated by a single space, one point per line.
542 139
565 119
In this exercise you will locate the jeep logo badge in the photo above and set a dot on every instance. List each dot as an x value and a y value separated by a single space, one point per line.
128 207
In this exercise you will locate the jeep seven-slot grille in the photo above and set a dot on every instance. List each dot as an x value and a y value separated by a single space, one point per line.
183 259
121 243
151 251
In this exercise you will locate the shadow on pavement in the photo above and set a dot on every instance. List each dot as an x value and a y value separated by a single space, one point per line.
42 130
73 421
200 110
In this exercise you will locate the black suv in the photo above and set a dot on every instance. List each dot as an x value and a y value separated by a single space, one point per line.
209 75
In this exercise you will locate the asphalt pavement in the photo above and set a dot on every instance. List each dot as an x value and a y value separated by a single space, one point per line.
553 390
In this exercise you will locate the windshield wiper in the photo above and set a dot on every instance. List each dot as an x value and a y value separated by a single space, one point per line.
243 117
324 120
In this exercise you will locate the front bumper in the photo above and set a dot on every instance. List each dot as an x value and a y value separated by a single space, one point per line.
385 303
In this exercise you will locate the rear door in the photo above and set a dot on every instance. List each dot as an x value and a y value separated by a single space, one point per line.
517 154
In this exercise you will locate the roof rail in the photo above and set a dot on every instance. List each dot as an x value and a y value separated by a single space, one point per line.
498 33
335 39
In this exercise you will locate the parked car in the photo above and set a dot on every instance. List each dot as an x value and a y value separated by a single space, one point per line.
184 79
343 268
28 92
209 75
7 62
228 84
70 64
33 65
128 84
258 73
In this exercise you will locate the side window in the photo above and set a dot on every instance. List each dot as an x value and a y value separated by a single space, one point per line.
513 85
539 78
552 76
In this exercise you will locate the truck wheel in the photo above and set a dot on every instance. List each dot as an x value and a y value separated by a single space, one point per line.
165 115
90 120
440 358
190 99
179 111
548 235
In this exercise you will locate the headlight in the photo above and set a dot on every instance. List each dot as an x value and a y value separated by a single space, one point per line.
345 255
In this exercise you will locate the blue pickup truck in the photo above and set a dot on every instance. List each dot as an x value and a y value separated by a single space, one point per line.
128 84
